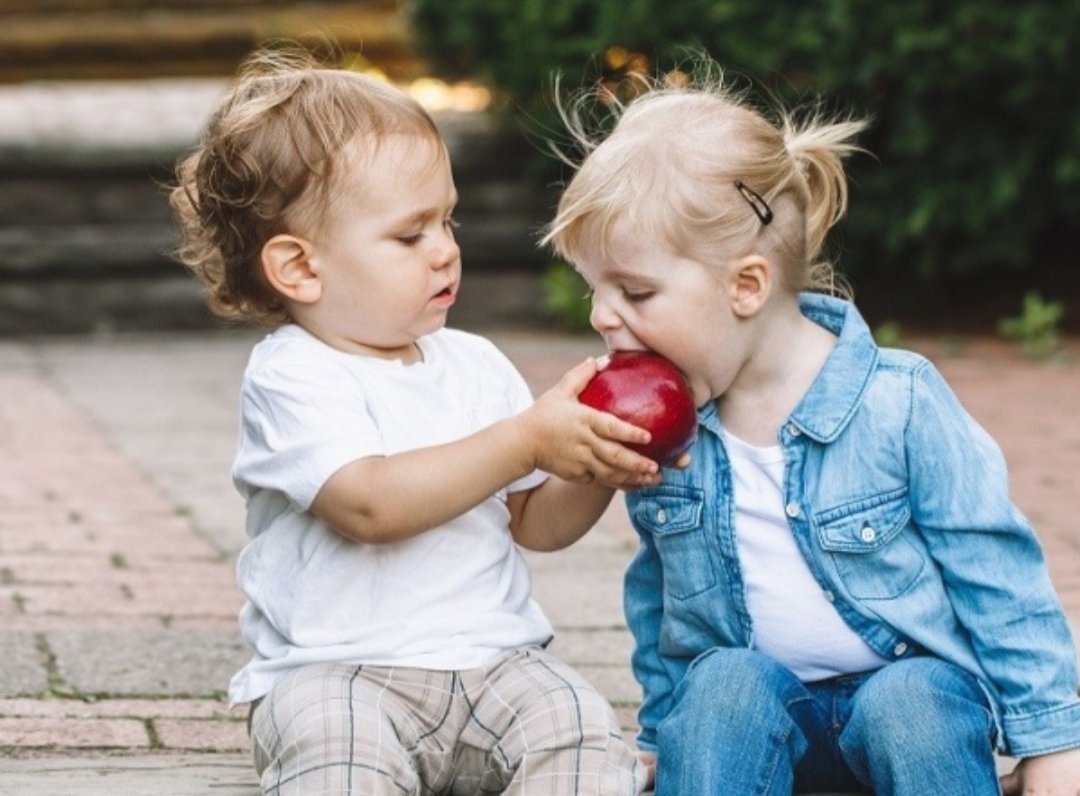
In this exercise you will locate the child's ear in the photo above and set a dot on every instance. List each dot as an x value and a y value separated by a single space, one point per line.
750 284
286 263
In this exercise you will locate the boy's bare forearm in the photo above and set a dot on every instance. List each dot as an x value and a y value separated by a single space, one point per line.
389 498
558 513
386 499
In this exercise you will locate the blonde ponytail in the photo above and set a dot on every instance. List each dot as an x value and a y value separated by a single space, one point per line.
818 148
700 167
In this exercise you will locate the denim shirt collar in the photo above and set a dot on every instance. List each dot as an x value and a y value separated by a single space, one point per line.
836 392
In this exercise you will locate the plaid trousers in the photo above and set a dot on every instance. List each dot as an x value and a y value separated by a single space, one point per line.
527 725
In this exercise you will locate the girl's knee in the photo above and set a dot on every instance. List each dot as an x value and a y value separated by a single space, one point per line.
919 687
735 676
728 694
922 703
925 722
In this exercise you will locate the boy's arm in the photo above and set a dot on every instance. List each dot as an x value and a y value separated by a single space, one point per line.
557 513
389 498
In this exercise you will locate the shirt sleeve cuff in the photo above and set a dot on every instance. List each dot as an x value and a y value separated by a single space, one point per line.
1044 732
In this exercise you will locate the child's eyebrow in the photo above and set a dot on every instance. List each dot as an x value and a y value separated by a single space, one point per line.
624 275
430 212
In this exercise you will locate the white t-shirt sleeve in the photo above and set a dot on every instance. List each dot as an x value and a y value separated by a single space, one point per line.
302 419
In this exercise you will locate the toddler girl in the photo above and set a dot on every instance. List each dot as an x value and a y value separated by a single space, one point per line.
837 593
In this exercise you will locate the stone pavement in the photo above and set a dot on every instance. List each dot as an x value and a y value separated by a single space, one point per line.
118 528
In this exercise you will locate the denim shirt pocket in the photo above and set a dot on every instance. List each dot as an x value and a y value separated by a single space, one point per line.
672 516
866 540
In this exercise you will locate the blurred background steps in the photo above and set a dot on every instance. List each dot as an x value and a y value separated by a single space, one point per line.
66 39
86 233
100 98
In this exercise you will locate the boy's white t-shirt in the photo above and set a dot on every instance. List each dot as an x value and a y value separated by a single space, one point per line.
454 597
794 622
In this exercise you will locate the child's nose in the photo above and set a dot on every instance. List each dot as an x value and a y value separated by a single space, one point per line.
602 318
446 252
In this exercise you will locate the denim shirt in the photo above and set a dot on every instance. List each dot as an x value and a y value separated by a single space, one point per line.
899 503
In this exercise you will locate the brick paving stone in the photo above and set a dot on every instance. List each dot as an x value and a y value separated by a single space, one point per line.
21 671
123 600
141 709
147 662
114 567
617 683
70 600
201 735
577 590
88 734
590 645
46 623
157 772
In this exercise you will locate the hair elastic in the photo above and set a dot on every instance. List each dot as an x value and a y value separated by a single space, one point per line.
757 204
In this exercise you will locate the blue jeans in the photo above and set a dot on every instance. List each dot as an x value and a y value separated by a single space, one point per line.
743 725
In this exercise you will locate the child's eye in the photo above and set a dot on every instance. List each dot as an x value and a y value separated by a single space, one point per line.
410 240
451 223
638 297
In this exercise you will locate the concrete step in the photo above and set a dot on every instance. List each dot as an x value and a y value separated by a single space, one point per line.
86 232
131 775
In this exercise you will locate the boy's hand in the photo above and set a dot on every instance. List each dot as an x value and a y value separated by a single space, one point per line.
578 443
1055 774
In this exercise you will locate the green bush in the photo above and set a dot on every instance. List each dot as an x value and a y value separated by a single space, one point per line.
1037 329
974 106
565 297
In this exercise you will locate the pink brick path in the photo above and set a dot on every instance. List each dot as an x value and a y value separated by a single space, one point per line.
86 540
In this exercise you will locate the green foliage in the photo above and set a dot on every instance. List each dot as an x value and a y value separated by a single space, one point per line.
1037 328
887 335
565 297
974 107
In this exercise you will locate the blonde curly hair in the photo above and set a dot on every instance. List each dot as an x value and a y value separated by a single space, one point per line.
676 165
265 166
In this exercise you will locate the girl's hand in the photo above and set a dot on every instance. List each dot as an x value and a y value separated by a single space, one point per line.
578 443
648 759
1054 774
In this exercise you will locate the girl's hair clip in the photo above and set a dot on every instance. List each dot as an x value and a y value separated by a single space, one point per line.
757 204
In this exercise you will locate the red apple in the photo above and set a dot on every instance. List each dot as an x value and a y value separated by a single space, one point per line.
645 389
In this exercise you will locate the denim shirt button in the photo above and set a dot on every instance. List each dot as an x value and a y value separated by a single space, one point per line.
829 596
900 649
661 516
794 430
792 509
868 534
